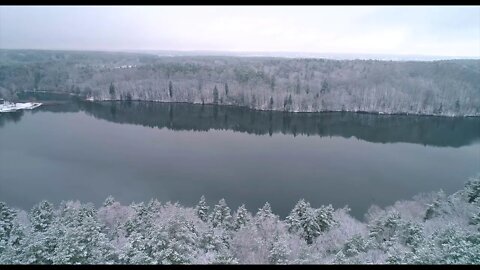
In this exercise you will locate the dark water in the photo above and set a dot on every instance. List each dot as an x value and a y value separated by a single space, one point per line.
177 152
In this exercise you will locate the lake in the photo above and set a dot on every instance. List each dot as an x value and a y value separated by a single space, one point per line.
136 151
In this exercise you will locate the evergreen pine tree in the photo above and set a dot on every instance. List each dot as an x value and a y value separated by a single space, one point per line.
221 215
241 217
41 216
202 209
109 201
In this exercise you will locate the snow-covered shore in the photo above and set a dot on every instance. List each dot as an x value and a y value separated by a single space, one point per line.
12 107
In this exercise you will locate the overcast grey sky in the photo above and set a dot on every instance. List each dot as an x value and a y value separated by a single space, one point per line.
429 30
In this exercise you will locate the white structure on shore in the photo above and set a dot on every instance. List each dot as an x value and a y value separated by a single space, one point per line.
6 106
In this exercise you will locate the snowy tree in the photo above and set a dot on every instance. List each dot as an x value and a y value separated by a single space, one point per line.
310 228
295 217
279 251
7 216
411 235
325 217
221 215
254 241
80 239
202 209
264 213
38 247
434 209
384 231
141 221
354 246
139 250
309 222
241 217
210 241
14 249
472 190
41 216
114 217
109 201
181 243
449 246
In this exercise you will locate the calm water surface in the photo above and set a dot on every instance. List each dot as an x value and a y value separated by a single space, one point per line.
178 152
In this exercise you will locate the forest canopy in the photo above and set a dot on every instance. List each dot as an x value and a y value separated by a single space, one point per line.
430 229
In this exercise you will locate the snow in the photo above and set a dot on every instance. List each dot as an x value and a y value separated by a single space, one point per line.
12 107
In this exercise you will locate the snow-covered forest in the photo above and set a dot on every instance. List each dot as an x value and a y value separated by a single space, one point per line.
430 229
449 87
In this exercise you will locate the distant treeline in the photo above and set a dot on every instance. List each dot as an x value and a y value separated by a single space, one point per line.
449 87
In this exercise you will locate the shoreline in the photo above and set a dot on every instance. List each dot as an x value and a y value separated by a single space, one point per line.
299 112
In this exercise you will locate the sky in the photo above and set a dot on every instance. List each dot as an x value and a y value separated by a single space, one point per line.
417 30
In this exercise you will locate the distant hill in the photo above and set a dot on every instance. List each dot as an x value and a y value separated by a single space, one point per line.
334 56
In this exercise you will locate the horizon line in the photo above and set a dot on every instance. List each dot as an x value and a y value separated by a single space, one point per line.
268 53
